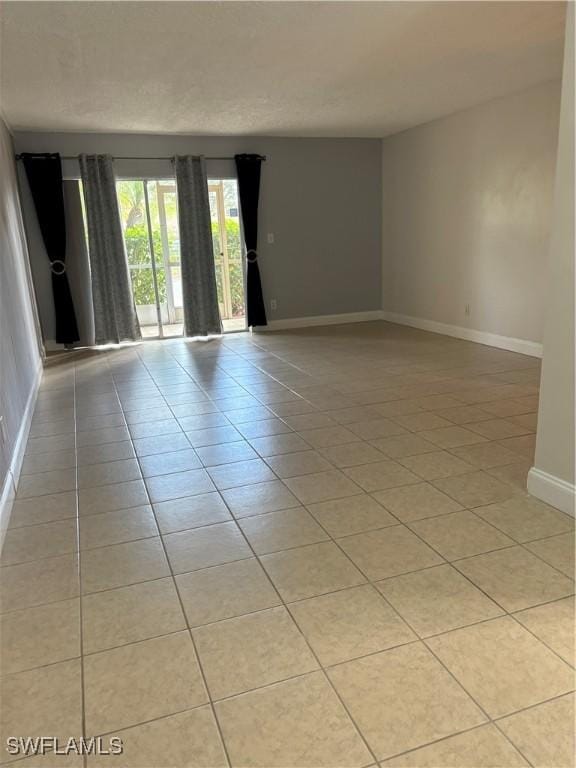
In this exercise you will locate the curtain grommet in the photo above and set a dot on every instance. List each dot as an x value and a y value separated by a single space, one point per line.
57 267
251 255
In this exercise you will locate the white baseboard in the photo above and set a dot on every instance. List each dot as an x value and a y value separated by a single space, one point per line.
13 474
523 346
553 490
6 501
317 320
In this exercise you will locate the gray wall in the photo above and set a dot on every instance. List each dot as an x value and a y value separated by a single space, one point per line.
552 477
319 197
467 207
20 355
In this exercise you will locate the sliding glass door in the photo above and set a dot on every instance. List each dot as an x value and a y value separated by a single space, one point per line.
227 243
149 215
166 237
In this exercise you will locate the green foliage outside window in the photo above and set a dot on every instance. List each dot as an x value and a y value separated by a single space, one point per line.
137 251
131 199
234 265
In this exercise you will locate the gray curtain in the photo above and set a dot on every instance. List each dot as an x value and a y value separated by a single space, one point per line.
200 295
115 317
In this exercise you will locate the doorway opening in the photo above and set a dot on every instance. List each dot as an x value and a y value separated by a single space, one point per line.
227 242
149 217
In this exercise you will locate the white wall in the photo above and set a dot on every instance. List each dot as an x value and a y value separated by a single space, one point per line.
467 205
552 477
20 352
320 198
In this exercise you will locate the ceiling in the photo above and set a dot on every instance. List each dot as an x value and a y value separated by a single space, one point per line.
267 68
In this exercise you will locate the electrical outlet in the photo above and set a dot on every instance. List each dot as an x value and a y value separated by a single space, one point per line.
273 305
467 310
270 238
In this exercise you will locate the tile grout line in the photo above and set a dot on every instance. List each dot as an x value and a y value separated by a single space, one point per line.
305 639
400 523
453 563
431 651
326 677
300 505
190 635
235 519
320 667
423 640
391 607
80 602
418 637
183 573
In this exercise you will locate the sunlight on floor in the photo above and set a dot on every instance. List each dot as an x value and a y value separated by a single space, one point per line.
308 548
173 330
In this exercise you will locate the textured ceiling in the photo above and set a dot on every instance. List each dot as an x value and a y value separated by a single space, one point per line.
267 68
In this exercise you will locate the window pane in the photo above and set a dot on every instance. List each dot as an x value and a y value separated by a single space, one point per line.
217 246
135 230
234 246
166 239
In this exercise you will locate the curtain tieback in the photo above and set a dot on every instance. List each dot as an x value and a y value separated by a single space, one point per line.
251 255
57 267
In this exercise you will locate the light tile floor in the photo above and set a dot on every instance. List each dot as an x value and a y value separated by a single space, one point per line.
232 324
296 549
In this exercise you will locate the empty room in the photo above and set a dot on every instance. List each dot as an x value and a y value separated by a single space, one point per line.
287 384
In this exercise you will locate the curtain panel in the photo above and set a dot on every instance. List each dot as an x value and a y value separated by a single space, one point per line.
199 290
115 318
44 174
248 169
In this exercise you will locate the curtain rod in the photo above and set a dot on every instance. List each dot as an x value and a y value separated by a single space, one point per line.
133 157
